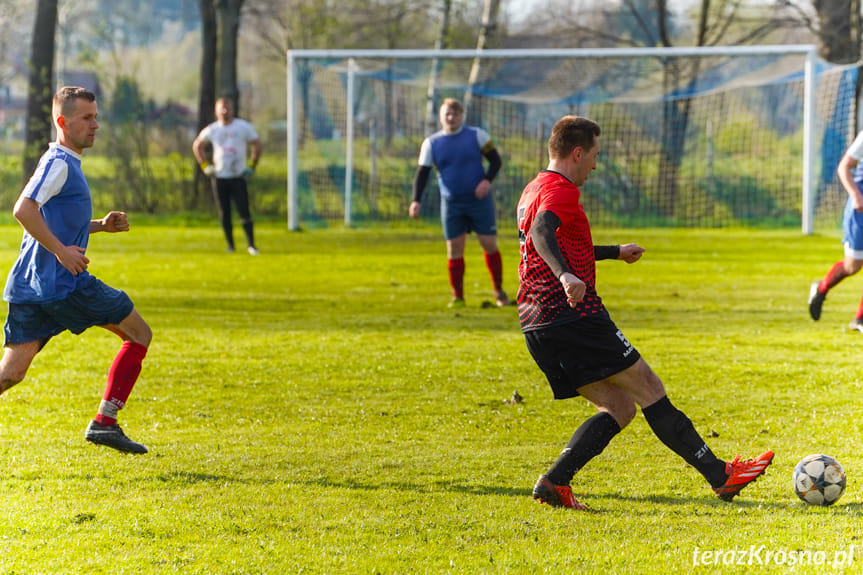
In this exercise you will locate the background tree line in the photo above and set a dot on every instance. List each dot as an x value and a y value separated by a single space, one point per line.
161 61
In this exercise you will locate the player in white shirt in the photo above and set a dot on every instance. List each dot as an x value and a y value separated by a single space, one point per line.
236 150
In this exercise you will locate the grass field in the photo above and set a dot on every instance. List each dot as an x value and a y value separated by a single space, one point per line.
318 409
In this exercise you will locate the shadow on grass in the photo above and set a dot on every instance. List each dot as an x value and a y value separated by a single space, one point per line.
190 478
280 313
705 499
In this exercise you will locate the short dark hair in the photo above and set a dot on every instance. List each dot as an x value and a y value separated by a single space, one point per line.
571 132
454 104
65 96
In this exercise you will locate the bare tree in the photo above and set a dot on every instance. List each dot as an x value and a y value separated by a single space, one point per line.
207 90
308 24
440 43
228 15
220 25
839 30
489 17
40 92
209 46
651 23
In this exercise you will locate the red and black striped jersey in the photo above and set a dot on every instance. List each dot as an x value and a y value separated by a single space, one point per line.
541 297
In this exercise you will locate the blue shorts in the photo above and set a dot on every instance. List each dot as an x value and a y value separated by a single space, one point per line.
92 303
852 232
459 218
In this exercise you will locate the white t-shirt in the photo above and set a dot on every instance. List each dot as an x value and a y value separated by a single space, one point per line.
855 150
229 146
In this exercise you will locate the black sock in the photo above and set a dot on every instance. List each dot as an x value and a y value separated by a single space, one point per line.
675 430
249 229
587 442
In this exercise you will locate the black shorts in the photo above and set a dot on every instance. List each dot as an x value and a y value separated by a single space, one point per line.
581 352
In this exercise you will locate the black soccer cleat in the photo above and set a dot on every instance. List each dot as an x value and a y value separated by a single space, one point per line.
112 436
816 300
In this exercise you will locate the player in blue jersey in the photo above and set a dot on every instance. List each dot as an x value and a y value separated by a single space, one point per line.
850 173
465 188
49 289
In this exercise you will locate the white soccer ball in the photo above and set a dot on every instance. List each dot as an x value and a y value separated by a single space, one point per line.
819 480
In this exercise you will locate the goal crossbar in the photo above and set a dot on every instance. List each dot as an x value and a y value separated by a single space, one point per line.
296 56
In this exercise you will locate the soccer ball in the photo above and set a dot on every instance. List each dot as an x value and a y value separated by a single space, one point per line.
819 480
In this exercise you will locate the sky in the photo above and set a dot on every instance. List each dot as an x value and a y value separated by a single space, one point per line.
518 9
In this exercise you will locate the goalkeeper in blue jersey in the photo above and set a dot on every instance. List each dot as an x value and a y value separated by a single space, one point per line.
457 152
49 289
850 173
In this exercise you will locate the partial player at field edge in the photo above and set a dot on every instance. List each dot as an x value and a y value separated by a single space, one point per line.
850 173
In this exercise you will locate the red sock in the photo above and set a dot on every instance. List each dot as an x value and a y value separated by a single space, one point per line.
833 277
859 311
121 379
456 277
495 268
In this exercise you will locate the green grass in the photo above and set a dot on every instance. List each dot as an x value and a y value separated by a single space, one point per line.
318 409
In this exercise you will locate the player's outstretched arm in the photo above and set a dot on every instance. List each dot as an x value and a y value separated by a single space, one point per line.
630 253
113 222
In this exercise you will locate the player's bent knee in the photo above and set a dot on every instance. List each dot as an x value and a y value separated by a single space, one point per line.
623 410
8 380
145 337
135 329
651 387
655 386
624 414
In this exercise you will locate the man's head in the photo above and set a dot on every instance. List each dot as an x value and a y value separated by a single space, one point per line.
74 112
451 115
575 139
224 110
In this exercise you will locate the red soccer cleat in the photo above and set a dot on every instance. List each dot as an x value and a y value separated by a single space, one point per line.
741 474
555 495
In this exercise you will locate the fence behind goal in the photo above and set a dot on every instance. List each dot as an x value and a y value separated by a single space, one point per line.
709 137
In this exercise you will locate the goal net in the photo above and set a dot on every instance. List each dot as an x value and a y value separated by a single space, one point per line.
710 137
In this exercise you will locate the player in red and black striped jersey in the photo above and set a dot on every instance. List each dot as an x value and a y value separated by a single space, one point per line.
541 301
574 341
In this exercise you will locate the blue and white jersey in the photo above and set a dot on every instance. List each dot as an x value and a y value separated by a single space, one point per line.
59 188
458 159
855 150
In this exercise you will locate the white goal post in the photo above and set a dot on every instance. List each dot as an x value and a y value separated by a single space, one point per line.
347 65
